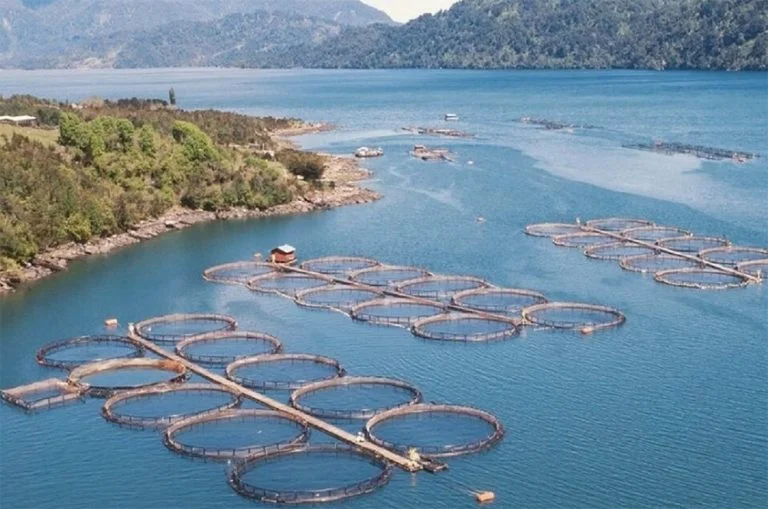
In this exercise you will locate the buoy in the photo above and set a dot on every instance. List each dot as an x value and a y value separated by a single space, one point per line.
111 322
587 330
485 497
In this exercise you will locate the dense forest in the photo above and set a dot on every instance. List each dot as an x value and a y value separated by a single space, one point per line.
99 169
636 34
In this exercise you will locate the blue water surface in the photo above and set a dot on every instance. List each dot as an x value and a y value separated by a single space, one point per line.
670 410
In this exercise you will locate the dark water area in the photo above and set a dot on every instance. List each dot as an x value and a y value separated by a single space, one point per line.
670 410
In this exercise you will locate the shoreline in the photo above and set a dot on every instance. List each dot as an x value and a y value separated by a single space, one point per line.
343 174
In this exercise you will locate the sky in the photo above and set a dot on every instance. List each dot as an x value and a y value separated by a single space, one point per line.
405 10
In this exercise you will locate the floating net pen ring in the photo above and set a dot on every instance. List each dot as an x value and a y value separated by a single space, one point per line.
655 233
238 471
496 435
387 275
182 349
77 375
44 355
615 251
202 322
701 279
286 284
394 311
415 396
440 287
279 385
498 300
692 244
465 327
733 255
339 265
237 273
551 229
336 297
617 224
581 240
653 263
756 268
172 442
110 411
586 317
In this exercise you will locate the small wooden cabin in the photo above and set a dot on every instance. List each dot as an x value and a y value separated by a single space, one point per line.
283 254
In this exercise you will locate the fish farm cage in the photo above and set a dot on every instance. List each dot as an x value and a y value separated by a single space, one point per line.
238 273
298 433
114 409
465 327
571 315
71 353
336 297
435 411
328 370
339 265
225 347
410 392
171 329
395 311
175 372
388 275
675 256
507 301
239 471
42 395
441 288
285 284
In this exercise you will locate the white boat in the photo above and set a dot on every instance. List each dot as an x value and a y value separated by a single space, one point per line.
451 117
364 152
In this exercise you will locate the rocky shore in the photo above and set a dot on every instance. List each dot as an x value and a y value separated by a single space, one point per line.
340 188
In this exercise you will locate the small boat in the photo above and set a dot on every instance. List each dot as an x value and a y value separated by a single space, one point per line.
451 117
365 152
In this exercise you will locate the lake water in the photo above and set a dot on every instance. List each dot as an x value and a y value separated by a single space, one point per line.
670 410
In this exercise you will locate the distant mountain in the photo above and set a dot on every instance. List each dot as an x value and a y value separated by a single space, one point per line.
34 33
632 34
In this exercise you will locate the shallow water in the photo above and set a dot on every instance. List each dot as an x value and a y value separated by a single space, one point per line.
670 410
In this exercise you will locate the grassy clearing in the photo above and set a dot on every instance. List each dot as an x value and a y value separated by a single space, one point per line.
47 136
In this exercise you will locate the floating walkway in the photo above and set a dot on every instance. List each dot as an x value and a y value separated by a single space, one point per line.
675 256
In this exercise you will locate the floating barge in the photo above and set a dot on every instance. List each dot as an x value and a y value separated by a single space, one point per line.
365 152
431 154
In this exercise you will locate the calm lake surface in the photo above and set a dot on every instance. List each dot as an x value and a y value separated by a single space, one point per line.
670 410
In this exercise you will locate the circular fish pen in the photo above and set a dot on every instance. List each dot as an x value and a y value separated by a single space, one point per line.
465 327
222 348
238 273
702 279
309 463
615 251
70 353
283 372
387 275
102 379
357 391
441 288
655 233
551 229
163 405
733 255
339 265
285 284
572 315
335 297
233 434
756 268
435 431
509 301
396 312
693 244
581 240
617 224
653 263
170 329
